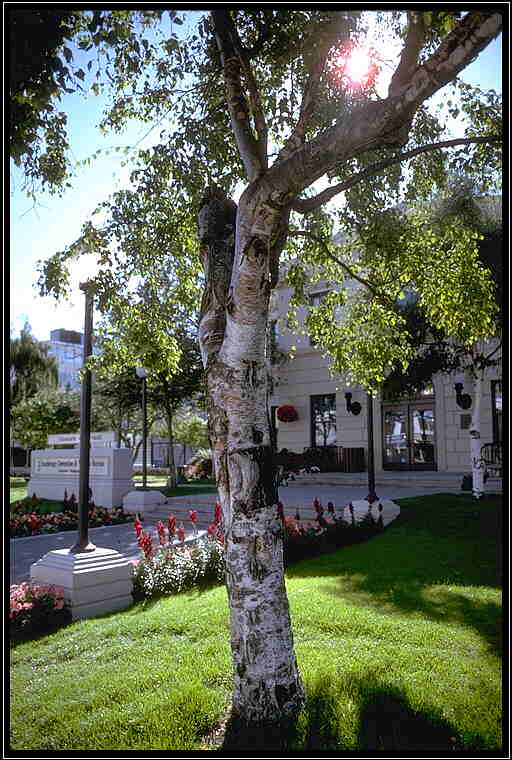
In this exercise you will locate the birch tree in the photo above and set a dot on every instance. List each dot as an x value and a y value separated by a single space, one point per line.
260 100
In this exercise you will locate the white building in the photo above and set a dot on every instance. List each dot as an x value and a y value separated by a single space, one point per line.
428 431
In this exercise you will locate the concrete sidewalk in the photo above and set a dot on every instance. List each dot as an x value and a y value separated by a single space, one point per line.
25 551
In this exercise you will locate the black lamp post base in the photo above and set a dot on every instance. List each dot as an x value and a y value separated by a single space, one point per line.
78 548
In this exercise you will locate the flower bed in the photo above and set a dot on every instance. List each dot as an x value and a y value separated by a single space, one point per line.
36 609
33 524
172 567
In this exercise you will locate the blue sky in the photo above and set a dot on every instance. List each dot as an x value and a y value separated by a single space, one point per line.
38 232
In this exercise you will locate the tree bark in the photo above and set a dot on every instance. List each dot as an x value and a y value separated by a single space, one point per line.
171 480
267 686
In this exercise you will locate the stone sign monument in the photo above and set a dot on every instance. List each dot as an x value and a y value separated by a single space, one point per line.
54 471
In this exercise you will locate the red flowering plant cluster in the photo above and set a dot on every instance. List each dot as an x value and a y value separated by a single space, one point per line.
173 567
215 530
36 609
306 538
34 521
287 413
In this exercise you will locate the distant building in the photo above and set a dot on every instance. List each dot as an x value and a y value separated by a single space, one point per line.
67 347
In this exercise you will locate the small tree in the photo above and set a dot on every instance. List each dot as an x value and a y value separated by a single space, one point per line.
44 414
31 369
191 430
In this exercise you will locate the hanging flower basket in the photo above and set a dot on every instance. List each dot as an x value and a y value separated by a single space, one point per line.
287 413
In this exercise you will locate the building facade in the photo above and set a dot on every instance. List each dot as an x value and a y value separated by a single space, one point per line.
67 347
428 431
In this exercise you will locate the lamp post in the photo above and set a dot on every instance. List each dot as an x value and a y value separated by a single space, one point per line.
83 544
372 496
142 373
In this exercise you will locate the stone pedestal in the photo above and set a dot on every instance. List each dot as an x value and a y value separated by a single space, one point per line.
143 501
94 583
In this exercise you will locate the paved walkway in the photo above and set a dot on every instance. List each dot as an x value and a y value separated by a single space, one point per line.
25 551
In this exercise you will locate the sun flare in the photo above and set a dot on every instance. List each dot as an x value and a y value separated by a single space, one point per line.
355 67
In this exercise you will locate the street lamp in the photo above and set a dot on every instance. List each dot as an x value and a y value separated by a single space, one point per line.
83 544
372 496
143 373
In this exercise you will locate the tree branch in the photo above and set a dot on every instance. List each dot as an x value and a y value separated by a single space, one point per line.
236 100
308 103
385 123
410 52
254 98
304 205
471 35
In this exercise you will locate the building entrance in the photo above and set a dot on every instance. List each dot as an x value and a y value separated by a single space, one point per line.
409 436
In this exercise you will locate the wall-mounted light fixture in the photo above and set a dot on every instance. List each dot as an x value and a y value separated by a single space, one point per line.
463 399
352 407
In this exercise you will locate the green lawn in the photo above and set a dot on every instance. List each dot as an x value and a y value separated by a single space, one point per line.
397 639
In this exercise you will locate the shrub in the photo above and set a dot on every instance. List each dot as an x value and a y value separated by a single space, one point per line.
36 609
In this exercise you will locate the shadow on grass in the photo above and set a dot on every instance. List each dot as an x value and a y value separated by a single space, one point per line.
420 563
353 715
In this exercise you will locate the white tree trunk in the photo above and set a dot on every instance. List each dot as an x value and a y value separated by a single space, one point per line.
267 686
477 465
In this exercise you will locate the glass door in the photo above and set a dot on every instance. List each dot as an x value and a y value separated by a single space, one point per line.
409 437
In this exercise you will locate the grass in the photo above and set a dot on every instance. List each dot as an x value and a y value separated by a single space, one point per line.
397 640
18 490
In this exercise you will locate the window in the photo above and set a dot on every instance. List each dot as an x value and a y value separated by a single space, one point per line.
316 299
497 400
323 420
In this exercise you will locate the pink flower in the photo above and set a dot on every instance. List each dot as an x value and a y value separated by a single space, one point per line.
59 604
181 533
193 516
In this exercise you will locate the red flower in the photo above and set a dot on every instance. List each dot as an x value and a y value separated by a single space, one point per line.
181 533
161 532
193 516
217 515
138 526
146 544
171 522
287 413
